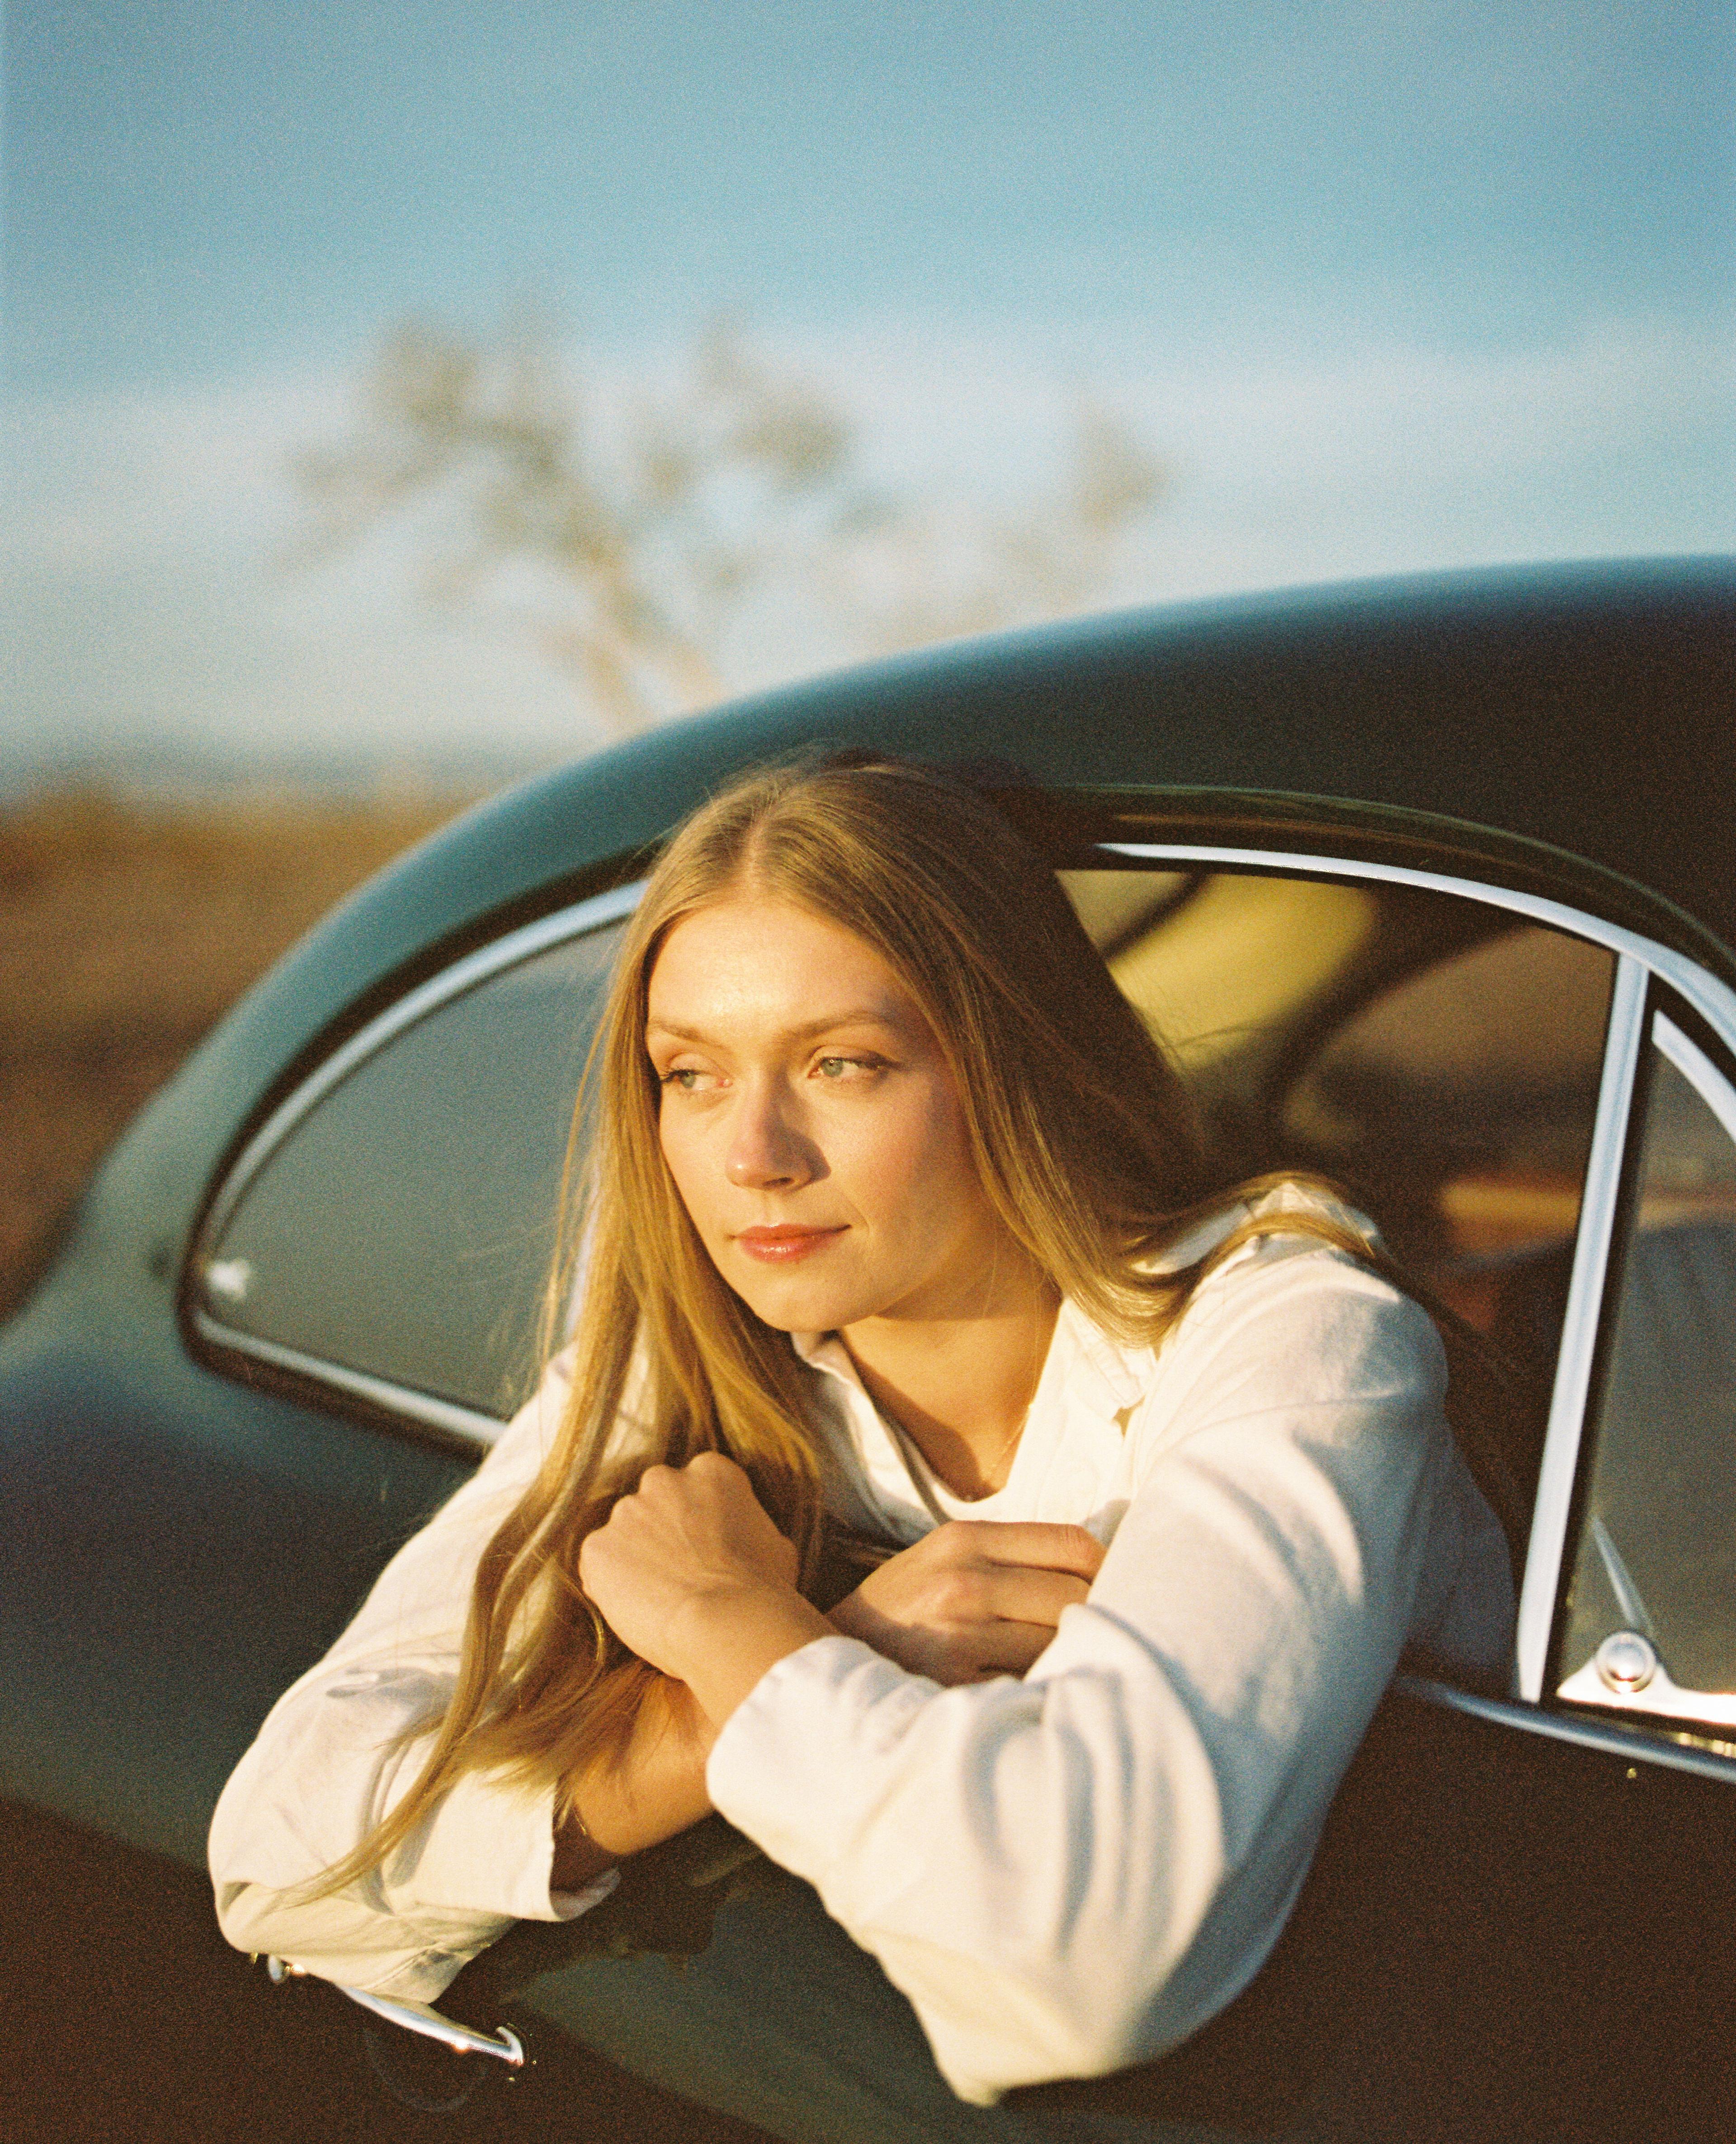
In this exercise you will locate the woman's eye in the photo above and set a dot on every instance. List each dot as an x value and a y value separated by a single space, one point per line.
843 1068
684 1077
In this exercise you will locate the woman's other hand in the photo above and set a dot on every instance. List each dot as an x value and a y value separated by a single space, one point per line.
974 1598
690 1573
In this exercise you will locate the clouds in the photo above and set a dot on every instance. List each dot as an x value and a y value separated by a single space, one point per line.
1391 458
150 609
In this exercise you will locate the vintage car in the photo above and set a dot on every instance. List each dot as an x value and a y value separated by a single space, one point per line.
1431 884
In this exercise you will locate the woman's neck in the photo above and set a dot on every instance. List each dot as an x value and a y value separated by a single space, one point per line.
960 1388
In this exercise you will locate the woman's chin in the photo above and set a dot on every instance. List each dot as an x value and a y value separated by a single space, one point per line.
793 1301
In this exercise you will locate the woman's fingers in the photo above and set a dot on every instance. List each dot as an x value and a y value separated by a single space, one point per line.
974 1651
1018 1595
681 1530
992 1649
966 1552
972 1598
691 1575
705 1517
1023 1542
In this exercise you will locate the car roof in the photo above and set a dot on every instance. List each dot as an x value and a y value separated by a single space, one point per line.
1590 708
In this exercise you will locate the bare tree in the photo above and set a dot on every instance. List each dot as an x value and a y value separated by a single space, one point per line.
631 531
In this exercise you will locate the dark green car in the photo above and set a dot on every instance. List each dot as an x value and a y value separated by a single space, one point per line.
1431 884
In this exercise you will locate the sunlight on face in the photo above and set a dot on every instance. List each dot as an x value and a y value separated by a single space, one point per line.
812 1125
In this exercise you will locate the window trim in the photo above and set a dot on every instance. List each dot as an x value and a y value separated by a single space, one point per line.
1697 1069
476 1432
1609 1738
1714 1000
463 975
1714 1088
1540 1593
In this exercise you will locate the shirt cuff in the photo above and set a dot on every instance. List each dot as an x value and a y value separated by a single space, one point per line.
568 1905
489 1849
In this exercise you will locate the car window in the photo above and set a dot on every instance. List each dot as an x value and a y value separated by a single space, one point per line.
1222 974
1468 1091
397 1231
1438 1055
1650 1614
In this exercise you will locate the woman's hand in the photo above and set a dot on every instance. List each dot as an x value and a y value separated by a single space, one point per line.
690 1573
974 1598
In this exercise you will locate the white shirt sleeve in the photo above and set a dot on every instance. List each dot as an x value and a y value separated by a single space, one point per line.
324 1770
1070 1873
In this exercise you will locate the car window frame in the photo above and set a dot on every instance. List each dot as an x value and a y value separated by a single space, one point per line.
1639 960
1659 1031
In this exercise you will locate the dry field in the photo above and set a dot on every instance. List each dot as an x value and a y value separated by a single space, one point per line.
125 930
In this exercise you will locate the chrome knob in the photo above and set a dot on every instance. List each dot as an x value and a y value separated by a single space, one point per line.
1626 1662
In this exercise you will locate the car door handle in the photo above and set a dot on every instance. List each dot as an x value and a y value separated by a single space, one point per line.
504 2044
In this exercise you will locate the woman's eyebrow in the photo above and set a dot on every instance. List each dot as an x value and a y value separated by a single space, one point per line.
800 1032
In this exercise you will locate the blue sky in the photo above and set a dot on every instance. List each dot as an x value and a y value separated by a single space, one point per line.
1388 285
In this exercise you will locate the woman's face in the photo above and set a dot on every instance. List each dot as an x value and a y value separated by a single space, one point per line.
812 1126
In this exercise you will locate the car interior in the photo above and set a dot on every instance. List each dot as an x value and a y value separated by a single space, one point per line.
1438 1057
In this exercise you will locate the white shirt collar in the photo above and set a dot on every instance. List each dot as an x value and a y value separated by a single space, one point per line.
1083 1360
1090 1388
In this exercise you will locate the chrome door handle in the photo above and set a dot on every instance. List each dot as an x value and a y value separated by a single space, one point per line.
505 2044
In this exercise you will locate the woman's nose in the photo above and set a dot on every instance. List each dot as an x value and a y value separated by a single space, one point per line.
768 1151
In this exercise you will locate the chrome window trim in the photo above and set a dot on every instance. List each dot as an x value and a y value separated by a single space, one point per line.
490 959
1697 1069
1661 1700
1636 1745
478 1430
1580 1328
1714 1000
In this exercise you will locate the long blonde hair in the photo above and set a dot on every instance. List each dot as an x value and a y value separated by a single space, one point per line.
1082 1135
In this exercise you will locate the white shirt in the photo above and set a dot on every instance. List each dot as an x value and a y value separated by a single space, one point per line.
1065 1873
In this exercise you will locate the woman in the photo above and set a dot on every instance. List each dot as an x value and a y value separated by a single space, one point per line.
896 1231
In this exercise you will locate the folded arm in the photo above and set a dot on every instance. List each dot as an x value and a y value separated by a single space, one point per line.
331 1761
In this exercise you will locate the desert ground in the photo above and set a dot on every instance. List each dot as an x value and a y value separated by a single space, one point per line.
127 927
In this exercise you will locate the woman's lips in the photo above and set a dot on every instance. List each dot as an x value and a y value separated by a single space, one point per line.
783 1244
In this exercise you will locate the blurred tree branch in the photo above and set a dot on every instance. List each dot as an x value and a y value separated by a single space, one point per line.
631 532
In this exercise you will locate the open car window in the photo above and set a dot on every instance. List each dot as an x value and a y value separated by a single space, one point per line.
1455 1057
1438 1055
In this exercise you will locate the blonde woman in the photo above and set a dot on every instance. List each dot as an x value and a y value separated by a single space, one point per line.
896 1233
